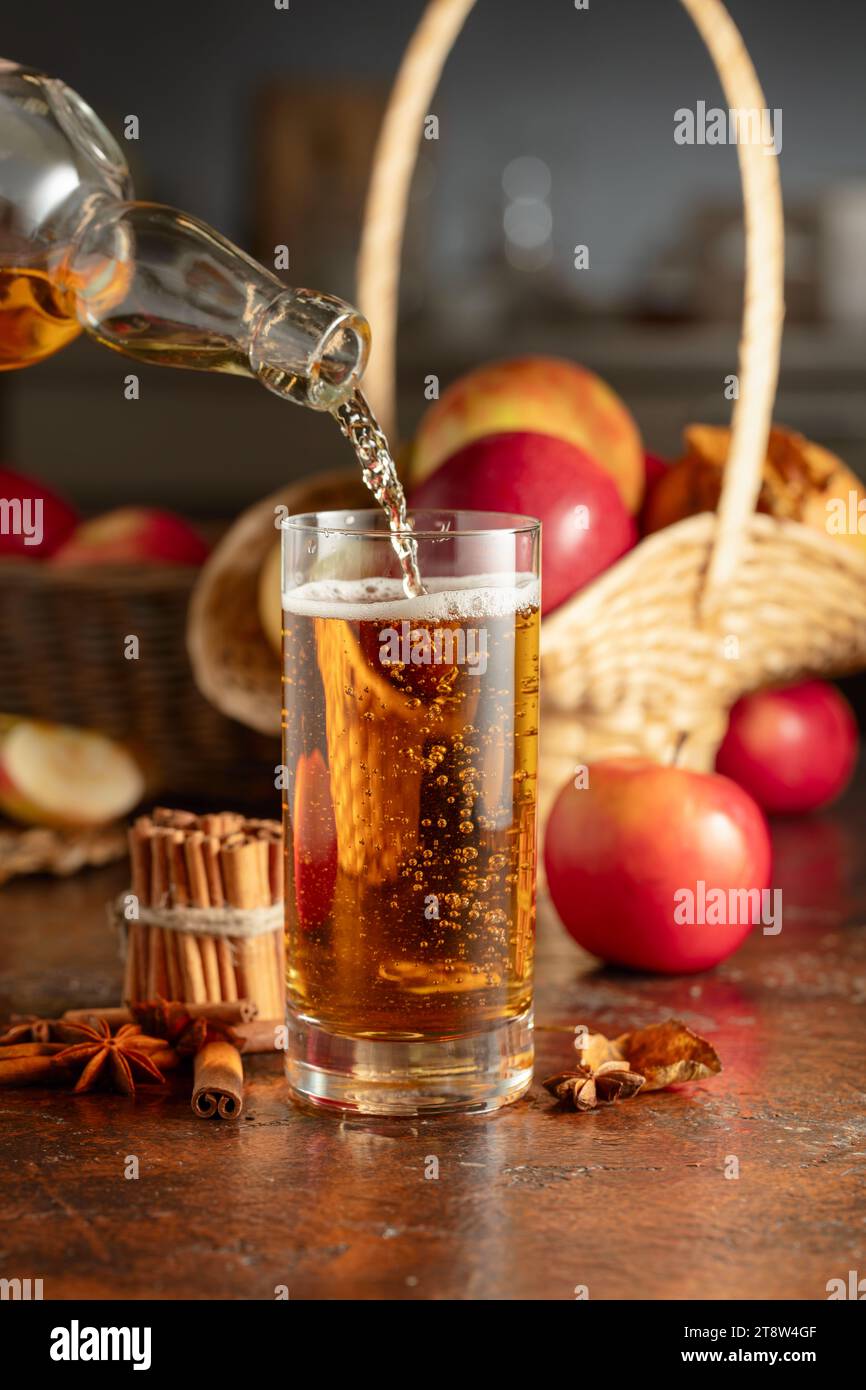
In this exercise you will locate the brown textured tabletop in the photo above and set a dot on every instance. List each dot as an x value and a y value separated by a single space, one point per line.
633 1201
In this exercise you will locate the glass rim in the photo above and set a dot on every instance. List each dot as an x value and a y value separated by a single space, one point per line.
515 523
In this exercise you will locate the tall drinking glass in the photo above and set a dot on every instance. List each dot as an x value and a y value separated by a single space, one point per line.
410 759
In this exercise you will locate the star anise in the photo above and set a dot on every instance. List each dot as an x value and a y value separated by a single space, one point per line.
29 1028
185 1034
585 1088
121 1058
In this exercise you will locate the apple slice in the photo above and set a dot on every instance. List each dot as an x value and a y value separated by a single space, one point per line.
51 774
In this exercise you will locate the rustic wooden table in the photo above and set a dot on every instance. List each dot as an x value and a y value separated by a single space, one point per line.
633 1201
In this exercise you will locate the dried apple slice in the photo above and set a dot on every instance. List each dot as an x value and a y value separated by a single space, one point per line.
52 774
801 482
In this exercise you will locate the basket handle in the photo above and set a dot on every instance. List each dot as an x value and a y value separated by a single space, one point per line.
763 309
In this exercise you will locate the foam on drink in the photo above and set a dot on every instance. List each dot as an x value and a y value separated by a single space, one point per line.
456 600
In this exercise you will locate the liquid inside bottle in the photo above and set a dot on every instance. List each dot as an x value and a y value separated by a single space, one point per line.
37 316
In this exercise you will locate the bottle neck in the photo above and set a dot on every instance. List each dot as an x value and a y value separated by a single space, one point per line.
162 287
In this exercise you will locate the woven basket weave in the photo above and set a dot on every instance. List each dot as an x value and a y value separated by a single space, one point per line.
649 657
62 636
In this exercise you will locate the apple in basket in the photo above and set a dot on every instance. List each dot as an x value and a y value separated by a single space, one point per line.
658 868
55 775
133 535
801 482
585 523
793 749
34 521
538 395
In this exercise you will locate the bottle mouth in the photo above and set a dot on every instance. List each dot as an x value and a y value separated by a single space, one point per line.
310 348
339 360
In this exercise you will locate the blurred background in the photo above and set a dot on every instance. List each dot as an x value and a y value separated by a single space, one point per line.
555 129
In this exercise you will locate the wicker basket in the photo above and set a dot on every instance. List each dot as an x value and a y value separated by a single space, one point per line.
62 635
649 657
234 664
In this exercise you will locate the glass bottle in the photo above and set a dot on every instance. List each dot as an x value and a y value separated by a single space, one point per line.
76 251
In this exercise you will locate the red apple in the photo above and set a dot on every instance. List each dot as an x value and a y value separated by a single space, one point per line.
34 521
539 395
793 749
131 536
51 774
585 524
635 859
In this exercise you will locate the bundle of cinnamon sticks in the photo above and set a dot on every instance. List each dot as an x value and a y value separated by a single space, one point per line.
194 865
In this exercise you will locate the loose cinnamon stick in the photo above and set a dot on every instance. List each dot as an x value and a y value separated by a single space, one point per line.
33 1071
12 1051
235 1012
114 1017
218 1081
260 1035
